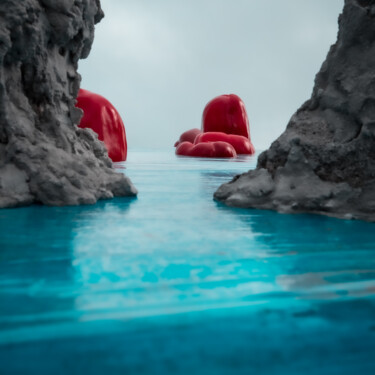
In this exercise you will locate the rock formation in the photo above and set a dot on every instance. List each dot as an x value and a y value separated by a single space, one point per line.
44 157
325 160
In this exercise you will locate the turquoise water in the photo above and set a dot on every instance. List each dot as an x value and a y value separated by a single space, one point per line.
175 283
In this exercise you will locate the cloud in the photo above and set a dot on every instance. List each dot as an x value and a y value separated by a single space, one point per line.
139 36
161 61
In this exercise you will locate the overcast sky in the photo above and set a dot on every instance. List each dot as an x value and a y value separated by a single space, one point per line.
160 61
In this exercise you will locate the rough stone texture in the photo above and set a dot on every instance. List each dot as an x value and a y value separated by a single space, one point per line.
44 157
325 160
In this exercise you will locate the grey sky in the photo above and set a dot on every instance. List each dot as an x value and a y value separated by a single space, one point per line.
160 61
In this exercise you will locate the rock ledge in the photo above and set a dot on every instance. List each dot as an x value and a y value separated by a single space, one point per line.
44 157
324 162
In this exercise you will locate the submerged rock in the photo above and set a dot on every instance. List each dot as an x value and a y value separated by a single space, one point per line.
325 160
44 157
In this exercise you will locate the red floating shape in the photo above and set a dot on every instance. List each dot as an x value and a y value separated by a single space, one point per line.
226 114
188 136
241 144
206 150
102 117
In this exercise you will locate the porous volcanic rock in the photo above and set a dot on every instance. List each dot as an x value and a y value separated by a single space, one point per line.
324 162
44 157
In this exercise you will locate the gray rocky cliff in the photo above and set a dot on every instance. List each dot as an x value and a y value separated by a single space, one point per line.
44 157
324 162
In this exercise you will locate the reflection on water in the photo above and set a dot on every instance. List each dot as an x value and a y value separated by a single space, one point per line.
173 280
320 251
37 270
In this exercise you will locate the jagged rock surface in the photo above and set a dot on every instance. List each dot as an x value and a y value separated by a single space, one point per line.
44 157
325 160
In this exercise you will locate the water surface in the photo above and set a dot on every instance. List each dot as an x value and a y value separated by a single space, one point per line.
175 283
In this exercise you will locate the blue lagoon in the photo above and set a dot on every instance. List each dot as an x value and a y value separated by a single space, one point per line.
175 283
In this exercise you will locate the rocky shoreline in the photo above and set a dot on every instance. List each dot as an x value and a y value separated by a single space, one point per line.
324 162
44 157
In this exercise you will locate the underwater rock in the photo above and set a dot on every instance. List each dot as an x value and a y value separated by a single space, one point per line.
102 117
44 157
324 162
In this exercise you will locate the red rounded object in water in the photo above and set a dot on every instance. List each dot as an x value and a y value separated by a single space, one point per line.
102 117
188 136
241 144
206 150
226 114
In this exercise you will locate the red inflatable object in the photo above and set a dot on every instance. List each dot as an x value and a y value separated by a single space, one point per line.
102 117
188 136
241 144
226 114
206 150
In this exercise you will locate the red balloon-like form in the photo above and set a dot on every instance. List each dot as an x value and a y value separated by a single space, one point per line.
226 114
225 131
188 136
206 150
241 144
102 117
